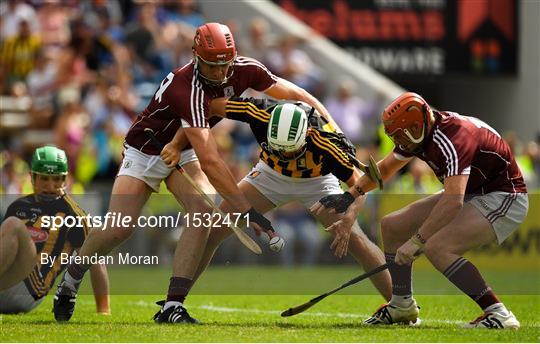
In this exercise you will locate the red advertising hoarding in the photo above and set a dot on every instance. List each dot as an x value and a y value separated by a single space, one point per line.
419 37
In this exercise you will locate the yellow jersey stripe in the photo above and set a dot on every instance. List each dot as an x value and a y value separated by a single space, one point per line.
37 283
52 240
248 105
55 270
329 144
248 108
79 212
250 113
342 157
33 283
330 148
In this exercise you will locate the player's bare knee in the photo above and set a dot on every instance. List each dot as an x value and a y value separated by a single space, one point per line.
389 229
434 248
11 222
13 226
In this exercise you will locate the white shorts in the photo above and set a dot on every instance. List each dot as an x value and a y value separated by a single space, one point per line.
17 299
505 211
280 189
150 168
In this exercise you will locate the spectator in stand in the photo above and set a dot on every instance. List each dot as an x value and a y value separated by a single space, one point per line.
53 20
357 118
259 40
12 13
14 176
42 86
291 63
185 11
72 126
18 52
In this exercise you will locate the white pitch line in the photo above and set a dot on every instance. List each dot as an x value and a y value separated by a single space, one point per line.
211 307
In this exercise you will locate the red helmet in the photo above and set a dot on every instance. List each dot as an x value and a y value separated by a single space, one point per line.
405 119
214 44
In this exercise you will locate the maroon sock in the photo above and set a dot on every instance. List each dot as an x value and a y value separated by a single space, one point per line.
464 275
401 276
178 289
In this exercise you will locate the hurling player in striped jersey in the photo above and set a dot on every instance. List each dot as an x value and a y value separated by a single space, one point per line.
182 102
484 200
299 162
32 253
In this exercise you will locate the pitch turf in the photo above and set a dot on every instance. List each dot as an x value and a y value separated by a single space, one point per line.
255 318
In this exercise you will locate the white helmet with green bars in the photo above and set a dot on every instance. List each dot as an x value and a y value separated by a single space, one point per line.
287 131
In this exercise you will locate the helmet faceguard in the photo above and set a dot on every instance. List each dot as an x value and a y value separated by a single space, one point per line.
214 46
405 121
287 129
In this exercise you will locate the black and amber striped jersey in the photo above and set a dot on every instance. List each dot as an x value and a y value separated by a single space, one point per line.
322 156
50 241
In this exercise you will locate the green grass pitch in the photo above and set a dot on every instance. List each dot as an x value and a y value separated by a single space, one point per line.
233 313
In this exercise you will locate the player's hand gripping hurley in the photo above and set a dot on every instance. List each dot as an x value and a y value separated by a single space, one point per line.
242 236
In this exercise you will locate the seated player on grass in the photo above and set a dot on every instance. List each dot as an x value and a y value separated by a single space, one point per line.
24 281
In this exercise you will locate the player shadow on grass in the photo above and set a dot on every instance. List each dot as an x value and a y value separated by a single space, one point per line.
353 325
314 325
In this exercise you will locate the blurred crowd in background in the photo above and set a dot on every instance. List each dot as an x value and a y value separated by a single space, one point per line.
76 73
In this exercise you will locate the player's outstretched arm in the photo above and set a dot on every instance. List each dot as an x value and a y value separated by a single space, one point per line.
284 89
100 286
388 166
218 107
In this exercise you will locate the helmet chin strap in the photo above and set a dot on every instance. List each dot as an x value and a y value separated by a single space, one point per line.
213 82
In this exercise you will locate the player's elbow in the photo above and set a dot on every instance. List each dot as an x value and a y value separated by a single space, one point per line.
13 223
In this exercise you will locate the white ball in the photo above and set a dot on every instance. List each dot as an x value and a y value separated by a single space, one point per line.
276 244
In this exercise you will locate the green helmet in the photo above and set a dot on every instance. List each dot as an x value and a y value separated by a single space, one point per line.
49 160
287 130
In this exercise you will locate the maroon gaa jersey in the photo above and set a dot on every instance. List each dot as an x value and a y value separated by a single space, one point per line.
460 145
183 99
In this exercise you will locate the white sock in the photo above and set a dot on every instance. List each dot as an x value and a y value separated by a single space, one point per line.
171 304
70 281
497 308
403 301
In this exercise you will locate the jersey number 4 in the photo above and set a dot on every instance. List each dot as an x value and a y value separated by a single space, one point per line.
164 84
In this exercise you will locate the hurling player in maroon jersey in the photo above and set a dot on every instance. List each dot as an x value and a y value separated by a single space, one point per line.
178 113
484 199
